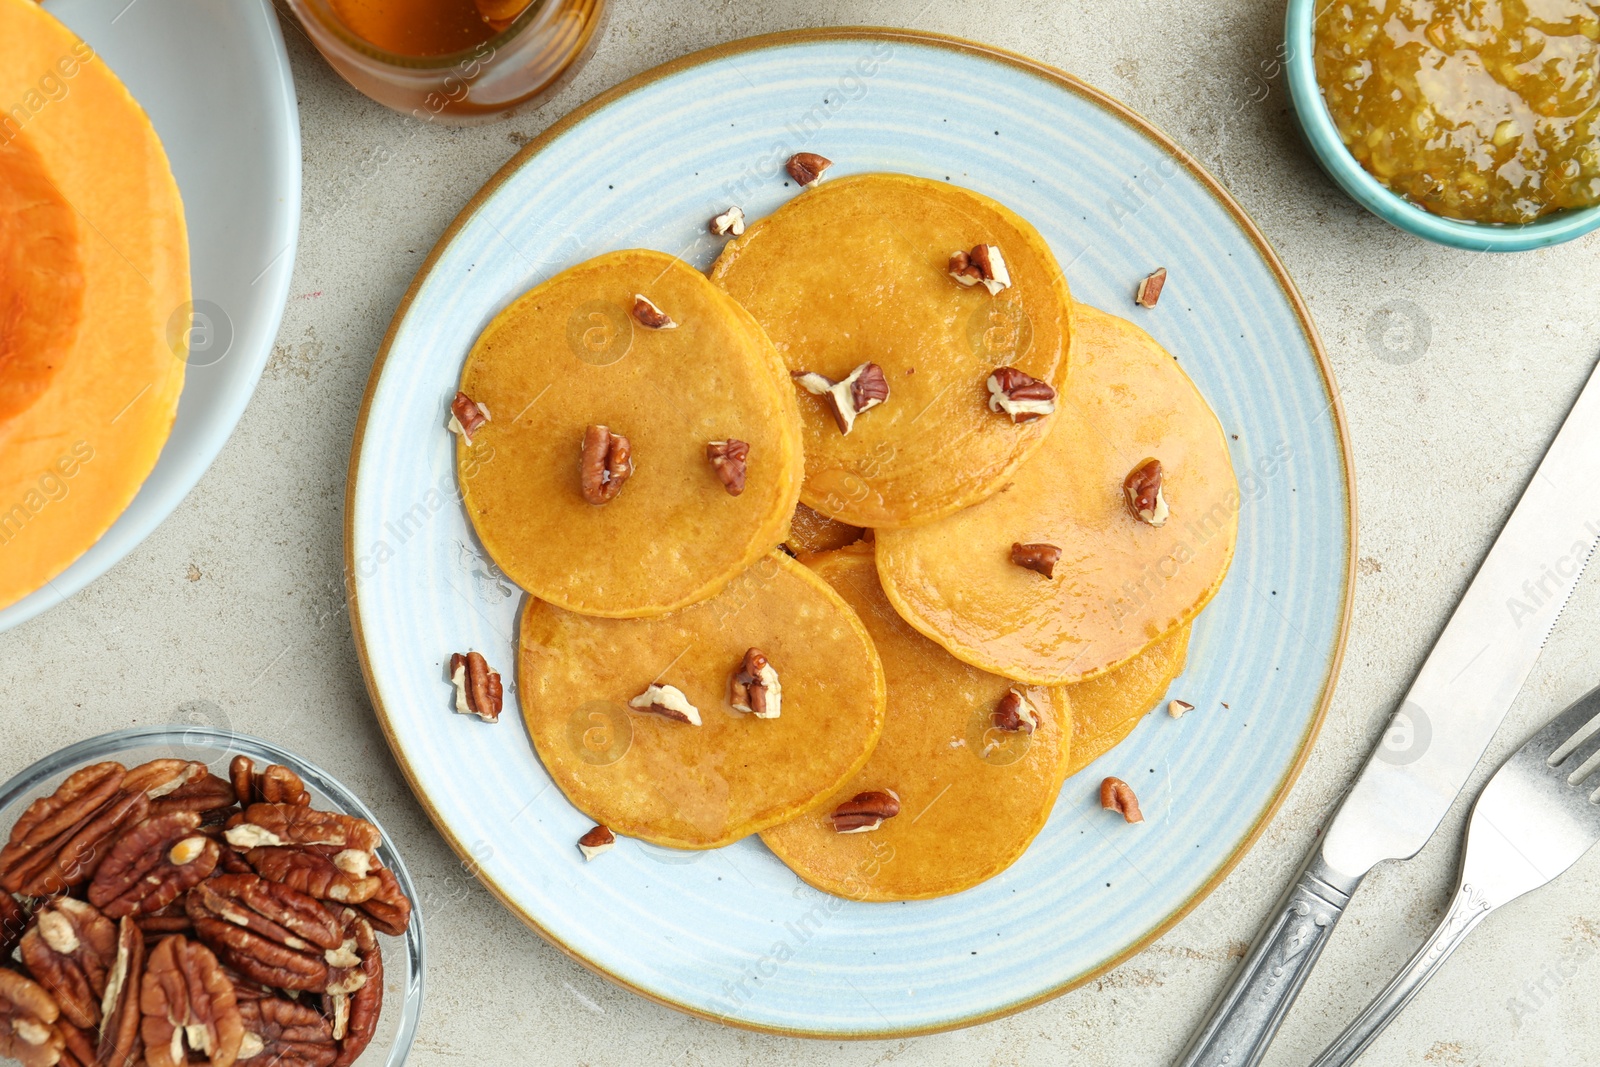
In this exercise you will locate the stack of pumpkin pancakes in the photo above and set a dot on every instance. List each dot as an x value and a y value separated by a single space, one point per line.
864 544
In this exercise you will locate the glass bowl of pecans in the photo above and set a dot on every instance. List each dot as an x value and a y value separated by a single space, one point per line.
180 896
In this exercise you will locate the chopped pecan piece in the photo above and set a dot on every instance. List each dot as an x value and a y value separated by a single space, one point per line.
467 416
668 702
984 265
154 864
478 689
69 949
605 463
1142 487
1117 795
1150 288
355 1013
61 838
1179 708
314 875
755 688
1015 713
279 1032
865 812
729 459
120 1042
273 934
275 785
28 1017
1021 396
188 1007
649 315
730 221
264 825
1036 557
13 920
863 389
807 168
598 840
389 910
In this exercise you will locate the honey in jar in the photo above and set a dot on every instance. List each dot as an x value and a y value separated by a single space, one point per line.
1484 110
416 27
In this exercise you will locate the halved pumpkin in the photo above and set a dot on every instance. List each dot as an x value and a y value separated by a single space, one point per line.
94 265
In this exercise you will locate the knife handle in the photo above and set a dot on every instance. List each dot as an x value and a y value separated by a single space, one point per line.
1245 1017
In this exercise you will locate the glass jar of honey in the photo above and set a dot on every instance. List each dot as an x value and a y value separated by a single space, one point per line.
453 61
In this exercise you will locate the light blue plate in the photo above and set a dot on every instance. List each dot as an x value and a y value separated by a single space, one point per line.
732 934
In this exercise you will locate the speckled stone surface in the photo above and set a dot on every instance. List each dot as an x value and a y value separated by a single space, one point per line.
1455 369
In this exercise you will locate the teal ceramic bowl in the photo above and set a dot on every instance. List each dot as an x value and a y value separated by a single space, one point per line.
1364 189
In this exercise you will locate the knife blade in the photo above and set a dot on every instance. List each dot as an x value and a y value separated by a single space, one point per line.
1434 739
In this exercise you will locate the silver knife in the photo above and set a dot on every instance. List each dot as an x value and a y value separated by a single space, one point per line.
1434 739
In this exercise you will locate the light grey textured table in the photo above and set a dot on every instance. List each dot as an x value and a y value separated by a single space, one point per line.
1455 370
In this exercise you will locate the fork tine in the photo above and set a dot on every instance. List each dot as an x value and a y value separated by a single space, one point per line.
1575 731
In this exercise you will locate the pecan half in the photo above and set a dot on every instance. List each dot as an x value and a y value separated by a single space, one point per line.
865 812
730 221
984 265
467 416
1142 487
154 864
355 1014
1036 557
1150 288
1021 396
1015 714
209 797
60 839
120 1041
649 315
729 459
1117 795
598 840
807 168
28 1017
77 1045
667 701
265 825
69 949
163 777
275 785
605 463
13 920
862 390
754 687
279 1032
478 689
389 910
188 1007
315 875
273 934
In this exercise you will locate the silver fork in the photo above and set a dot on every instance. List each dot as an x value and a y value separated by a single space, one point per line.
1534 819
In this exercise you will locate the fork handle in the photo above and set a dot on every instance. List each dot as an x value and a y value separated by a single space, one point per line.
1247 1015
1466 912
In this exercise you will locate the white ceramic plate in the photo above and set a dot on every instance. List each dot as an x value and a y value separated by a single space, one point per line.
214 79
732 934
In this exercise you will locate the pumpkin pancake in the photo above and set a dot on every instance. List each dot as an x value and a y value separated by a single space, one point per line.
811 533
971 797
857 270
1106 708
571 354
94 287
684 786
1120 583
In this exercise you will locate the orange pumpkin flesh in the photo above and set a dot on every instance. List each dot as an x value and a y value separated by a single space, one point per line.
94 263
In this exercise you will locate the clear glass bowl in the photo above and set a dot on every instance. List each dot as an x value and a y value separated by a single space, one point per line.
402 956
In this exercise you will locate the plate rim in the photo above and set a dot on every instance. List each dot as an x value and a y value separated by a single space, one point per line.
1060 79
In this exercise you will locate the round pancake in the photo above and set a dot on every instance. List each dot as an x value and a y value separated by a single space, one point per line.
686 786
1120 582
570 354
1106 708
972 797
856 270
811 533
